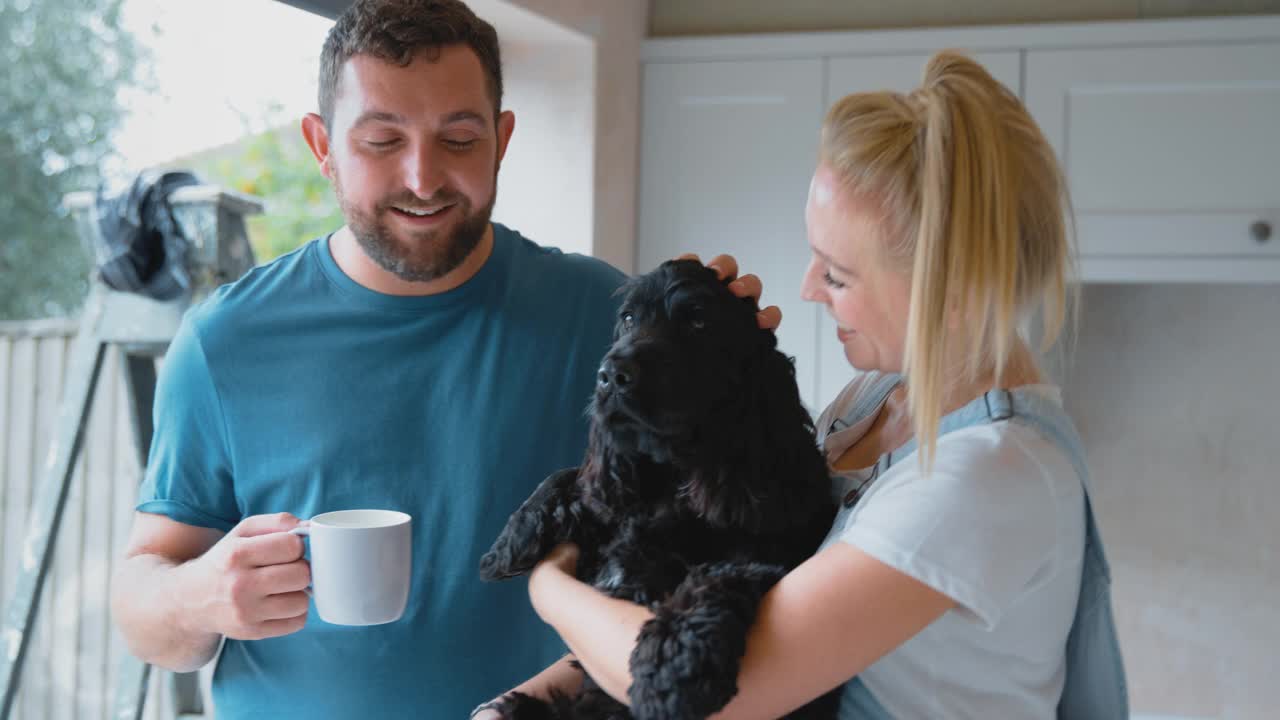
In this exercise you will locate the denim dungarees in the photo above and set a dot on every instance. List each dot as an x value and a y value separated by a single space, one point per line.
1094 688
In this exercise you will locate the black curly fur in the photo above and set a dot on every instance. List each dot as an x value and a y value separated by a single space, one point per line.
701 487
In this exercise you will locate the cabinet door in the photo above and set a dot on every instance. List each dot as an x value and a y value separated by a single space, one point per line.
727 150
900 73
1173 156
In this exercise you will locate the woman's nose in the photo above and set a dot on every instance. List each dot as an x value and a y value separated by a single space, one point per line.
811 288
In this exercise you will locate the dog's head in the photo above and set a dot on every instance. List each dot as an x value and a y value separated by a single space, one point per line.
694 401
683 351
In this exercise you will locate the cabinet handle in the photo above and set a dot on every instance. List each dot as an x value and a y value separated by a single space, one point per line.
1261 231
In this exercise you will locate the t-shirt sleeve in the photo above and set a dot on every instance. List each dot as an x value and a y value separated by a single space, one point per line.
189 471
979 529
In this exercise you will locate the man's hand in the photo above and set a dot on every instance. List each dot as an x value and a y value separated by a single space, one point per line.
746 286
250 584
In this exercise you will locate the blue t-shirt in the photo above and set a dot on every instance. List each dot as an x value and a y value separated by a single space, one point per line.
296 389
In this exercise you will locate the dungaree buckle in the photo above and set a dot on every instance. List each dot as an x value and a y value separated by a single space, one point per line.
1005 412
852 497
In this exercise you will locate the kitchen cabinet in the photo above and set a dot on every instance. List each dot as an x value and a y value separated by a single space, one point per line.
1172 155
1168 131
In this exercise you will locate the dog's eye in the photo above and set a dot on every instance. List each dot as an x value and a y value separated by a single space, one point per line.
696 319
628 319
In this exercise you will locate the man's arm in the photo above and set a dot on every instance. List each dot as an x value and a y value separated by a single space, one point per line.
181 588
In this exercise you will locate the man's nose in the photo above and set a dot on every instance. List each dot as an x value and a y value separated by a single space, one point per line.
424 171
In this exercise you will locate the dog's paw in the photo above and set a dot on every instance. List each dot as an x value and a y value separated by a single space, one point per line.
686 660
516 550
533 529
685 664
494 567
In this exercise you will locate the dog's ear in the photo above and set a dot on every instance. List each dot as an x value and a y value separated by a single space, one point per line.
604 479
767 485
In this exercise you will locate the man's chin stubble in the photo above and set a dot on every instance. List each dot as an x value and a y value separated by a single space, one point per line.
399 262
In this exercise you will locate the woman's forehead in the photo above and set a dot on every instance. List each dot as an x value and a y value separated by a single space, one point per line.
842 224
822 188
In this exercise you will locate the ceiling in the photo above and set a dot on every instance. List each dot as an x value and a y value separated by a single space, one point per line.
516 24
327 8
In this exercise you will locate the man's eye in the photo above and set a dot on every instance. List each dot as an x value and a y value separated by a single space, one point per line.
628 319
380 143
459 144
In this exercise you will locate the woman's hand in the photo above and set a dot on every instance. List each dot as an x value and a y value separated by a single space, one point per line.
562 561
564 557
587 619
746 286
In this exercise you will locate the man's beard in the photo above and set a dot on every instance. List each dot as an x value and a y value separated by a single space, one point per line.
430 254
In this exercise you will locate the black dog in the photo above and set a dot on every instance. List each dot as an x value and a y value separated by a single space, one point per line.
702 486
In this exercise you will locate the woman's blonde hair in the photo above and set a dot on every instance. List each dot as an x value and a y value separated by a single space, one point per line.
973 198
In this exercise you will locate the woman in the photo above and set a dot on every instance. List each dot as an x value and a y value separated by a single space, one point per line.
949 582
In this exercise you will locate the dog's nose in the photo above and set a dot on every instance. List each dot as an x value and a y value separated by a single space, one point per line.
616 374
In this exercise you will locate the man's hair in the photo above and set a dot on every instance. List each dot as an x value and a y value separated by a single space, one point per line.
398 31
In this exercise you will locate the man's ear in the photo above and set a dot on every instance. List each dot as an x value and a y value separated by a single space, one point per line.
506 126
317 137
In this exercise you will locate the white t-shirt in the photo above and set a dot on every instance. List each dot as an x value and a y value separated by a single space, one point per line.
999 528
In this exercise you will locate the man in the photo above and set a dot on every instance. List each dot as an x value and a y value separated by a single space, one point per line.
420 359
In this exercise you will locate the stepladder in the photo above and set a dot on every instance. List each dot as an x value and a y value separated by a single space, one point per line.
140 329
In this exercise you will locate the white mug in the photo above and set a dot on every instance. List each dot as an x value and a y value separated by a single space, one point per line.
360 565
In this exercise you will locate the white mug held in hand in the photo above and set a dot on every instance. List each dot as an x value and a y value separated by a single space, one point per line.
360 565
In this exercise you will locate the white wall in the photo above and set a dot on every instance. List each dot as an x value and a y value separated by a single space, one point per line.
546 183
618 28
1177 396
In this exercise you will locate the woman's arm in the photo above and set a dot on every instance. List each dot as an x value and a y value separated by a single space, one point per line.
822 624
603 627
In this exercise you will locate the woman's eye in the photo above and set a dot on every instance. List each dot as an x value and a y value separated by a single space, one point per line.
628 320
826 277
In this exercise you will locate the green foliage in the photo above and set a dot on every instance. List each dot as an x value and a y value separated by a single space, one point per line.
278 166
64 61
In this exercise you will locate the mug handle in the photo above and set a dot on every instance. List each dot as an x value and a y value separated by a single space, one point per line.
303 529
